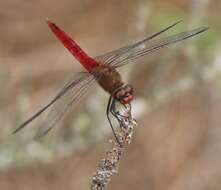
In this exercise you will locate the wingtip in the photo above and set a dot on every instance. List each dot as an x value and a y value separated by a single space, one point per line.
41 133
179 21
204 28
15 131
20 127
174 24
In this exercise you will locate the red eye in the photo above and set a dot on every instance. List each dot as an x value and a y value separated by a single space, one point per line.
127 99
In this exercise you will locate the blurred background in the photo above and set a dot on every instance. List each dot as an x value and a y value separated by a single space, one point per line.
177 143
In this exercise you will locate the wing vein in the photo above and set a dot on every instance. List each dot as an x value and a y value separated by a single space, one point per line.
144 49
64 90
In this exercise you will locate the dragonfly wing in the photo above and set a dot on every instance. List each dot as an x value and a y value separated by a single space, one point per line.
64 105
107 58
144 48
80 78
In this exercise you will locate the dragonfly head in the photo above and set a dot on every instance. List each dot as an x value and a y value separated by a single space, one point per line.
124 94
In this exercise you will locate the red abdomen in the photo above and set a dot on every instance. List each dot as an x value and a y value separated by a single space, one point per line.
88 62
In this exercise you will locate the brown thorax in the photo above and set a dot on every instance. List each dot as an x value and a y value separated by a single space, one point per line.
110 80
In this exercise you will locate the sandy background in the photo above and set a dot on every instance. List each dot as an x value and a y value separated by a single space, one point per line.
177 143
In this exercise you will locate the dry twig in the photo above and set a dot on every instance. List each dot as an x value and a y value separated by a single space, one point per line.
108 166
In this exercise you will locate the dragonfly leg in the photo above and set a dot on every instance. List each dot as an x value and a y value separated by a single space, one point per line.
117 114
109 108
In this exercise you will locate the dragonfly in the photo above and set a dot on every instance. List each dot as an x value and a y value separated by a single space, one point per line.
102 70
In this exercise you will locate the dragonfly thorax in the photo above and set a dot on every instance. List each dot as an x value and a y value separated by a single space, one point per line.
108 78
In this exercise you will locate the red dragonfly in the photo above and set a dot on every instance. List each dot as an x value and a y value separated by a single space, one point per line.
103 70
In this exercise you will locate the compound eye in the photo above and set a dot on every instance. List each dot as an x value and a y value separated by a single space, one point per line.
127 99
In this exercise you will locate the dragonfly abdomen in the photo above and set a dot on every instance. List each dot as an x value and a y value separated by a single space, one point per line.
88 62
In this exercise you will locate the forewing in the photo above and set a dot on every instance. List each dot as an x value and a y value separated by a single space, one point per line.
80 79
108 58
65 104
146 47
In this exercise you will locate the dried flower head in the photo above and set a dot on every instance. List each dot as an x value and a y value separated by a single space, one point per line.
108 166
